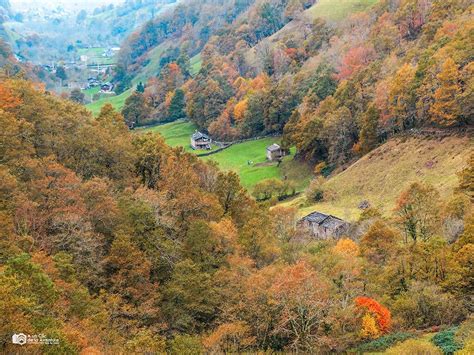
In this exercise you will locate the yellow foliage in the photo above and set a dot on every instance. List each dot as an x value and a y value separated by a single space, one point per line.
229 337
369 327
445 109
347 247
169 97
239 109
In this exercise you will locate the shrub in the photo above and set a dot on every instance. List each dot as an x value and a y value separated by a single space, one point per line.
426 305
269 188
446 342
186 345
384 342
465 335
315 192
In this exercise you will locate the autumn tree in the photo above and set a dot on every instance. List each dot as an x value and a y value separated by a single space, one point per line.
418 211
135 110
151 153
379 243
368 137
190 300
77 95
232 195
445 109
354 60
402 99
375 311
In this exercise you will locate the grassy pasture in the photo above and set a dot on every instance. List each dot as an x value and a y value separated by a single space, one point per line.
195 63
383 174
238 156
117 102
336 10
175 133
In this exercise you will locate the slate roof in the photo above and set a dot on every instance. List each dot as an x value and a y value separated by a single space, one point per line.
198 135
274 147
324 220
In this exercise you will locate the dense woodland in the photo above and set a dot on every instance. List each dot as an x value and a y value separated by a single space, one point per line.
336 90
114 242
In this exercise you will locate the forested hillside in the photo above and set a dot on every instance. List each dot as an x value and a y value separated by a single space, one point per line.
120 241
116 242
335 83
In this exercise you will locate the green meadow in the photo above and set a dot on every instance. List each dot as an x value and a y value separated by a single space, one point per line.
248 159
116 101
340 9
175 133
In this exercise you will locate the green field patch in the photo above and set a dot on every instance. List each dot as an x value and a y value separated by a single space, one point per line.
153 66
340 9
91 91
95 56
248 159
117 101
175 133
196 63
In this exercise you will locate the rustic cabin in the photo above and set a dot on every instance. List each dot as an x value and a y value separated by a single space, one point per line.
200 141
323 226
275 152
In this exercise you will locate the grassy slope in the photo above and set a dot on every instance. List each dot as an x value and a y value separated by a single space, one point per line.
116 101
175 133
236 157
153 66
95 55
331 10
195 63
383 174
338 10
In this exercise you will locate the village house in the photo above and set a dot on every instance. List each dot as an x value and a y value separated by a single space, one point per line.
275 152
106 87
323 226
200 141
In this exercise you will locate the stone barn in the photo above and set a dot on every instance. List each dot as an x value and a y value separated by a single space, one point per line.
275 152
323 226
200 141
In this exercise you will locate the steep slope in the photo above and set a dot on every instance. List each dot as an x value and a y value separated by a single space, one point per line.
380 176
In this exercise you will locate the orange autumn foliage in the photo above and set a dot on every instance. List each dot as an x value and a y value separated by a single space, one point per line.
229 337
354 60
239 109
381 313
8 99
346 246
